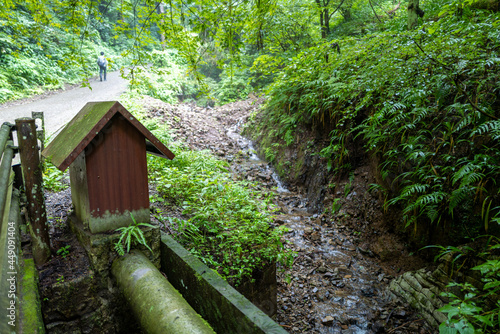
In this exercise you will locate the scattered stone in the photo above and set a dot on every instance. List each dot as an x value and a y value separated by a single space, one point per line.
299 311
327 321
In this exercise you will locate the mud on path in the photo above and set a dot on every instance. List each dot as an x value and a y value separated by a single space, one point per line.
338 280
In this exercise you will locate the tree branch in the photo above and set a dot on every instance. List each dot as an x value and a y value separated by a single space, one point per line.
374 12
336 9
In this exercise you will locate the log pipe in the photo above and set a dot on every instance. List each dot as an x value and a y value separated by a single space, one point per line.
156 304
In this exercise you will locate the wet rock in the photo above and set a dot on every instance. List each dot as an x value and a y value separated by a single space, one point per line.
322 269
315 236
338 284
400 313
368 292
322 295
366 251
328 320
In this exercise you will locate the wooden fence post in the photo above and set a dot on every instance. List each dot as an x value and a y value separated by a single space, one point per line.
30 159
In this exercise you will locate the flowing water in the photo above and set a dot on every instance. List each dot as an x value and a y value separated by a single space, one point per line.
332 287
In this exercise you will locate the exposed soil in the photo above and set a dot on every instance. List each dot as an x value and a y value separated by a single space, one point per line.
68 262
344 261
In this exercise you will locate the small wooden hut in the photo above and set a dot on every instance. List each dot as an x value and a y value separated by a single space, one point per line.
105 148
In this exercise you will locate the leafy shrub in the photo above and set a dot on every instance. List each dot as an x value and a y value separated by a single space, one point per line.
229 225
475 309
52 178
233 88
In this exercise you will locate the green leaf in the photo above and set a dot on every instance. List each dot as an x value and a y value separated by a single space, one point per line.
445 329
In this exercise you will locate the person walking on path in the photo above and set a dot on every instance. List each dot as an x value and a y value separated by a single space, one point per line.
103 63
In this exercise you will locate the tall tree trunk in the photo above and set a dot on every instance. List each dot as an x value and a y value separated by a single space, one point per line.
327 22
413 14
260 35
161 11
324 18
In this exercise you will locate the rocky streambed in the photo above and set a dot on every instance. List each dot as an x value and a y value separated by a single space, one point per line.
337 283
334 286
339 278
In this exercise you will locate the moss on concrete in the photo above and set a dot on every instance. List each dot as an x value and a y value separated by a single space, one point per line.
157 305
220 304
30 309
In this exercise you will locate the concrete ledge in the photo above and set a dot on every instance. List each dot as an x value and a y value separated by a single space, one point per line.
30 308
214 299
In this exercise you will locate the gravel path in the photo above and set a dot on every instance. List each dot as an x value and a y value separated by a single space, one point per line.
61 107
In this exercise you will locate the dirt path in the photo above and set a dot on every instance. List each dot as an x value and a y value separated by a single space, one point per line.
60 107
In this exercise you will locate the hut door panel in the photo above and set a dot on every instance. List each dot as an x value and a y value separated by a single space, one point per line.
117 169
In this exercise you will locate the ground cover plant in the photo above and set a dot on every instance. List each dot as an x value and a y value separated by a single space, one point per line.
225 223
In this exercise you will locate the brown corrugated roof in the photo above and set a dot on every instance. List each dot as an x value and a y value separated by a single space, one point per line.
86 125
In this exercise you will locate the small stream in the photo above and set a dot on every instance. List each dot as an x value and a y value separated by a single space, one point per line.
332 287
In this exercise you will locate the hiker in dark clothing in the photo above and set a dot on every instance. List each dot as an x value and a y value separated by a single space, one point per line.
103 63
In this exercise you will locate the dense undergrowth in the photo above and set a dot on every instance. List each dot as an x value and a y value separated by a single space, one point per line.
423 106
424 103
225 223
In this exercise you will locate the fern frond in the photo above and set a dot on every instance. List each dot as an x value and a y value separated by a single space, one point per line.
414 189
433 198
490 126
459 196
128 241
464 170
471 178
119 249
466 121
433 213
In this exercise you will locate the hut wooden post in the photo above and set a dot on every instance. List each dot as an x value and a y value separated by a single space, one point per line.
29 151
